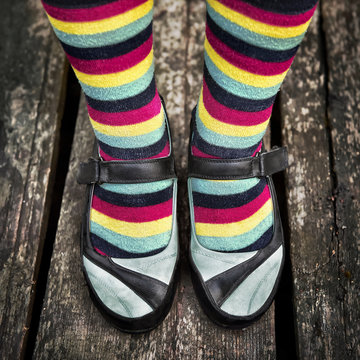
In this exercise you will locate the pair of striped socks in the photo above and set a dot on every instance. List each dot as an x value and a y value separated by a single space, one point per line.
249 47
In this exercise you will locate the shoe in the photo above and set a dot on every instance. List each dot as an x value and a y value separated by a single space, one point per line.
235 289
134 294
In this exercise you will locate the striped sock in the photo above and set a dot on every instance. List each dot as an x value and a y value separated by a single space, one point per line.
110 47
249 47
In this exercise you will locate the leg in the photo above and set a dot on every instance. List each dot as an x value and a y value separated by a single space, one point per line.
249 47
110 47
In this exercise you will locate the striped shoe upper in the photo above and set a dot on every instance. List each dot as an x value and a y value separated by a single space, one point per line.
132 220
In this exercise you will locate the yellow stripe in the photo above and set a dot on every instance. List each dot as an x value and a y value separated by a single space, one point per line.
100 26
236 228
136 230
259 27
119 78
260 81
227 181
142 128
228 129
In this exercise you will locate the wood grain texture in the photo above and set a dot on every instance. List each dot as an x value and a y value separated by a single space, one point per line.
31 81
341 28
70 325
318 298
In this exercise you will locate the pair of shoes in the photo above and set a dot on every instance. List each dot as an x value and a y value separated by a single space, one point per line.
136 294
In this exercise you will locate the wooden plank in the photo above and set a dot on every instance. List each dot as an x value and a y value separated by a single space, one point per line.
70 326
31 80
342 34
318 312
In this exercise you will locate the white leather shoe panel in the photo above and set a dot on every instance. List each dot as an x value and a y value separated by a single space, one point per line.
118 297
253 292
211 263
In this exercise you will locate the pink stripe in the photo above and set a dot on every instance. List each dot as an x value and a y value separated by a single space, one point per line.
92 13
127 117
165 152
268 17
226 216
258 149
113 65
230 116
199 153
244 62
133 214
99 251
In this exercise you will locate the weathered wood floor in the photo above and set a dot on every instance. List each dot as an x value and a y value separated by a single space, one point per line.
45 309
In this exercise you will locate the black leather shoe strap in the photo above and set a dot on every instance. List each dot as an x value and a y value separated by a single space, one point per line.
122 172
265 163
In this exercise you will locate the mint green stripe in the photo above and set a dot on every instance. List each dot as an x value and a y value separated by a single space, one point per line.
223 187
131 244
236 242
132 141
136 189
107 38
120 92
237 87
253 38
232 142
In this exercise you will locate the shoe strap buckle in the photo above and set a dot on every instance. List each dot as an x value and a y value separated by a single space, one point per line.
89 172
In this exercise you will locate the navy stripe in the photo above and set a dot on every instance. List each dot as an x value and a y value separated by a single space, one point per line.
114 251
213 150
135 153
110 51
229 201
139 200
128 104
77 4
291 7
247 49
260 243
233 101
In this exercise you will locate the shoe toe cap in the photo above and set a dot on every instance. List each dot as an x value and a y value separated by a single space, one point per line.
114 294
255 293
